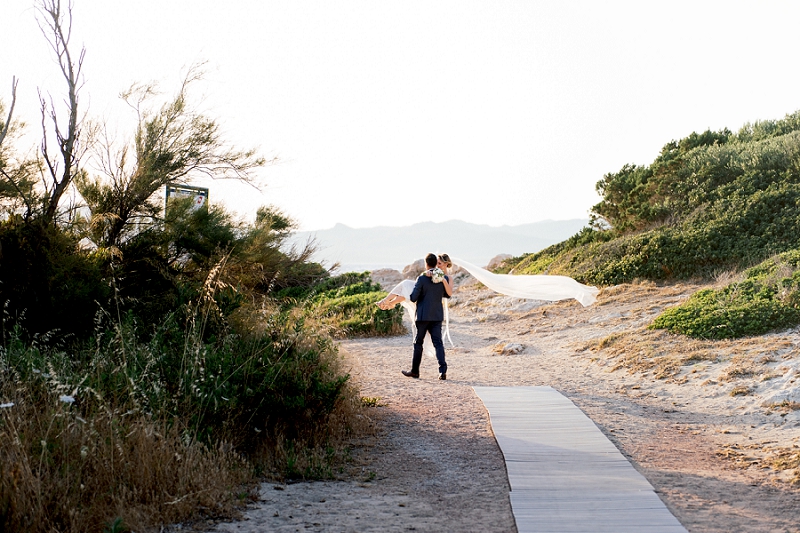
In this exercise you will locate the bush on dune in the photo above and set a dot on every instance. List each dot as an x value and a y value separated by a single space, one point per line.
766 299
346 304
191 375
711 202
356 315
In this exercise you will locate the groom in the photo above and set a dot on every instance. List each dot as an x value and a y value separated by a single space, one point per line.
430 313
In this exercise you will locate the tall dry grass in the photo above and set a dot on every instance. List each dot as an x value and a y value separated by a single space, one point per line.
63 472
133 430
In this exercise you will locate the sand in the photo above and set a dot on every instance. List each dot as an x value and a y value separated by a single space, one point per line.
697 419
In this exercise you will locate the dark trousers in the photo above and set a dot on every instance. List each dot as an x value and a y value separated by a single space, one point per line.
435 329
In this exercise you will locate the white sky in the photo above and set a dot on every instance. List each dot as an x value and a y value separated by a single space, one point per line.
391 113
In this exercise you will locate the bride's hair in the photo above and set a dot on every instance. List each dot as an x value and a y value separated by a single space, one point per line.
444 258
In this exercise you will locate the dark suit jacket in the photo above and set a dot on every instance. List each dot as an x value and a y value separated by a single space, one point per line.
428 297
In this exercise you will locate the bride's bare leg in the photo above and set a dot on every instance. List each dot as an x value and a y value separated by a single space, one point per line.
390 301
386 303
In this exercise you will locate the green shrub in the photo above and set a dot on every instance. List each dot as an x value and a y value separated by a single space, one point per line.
236 388
767 299
345 284
346 304
709 203
47 279
356 315
144 425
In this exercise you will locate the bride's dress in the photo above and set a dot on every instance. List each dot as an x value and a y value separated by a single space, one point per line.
534 287
404 289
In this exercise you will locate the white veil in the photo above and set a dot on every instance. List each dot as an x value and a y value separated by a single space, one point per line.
535 287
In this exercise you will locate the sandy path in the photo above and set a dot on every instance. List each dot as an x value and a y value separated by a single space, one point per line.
435 465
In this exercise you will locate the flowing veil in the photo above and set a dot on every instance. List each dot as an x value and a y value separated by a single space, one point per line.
534 287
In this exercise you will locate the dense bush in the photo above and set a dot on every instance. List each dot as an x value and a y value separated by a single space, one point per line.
356 315
97 425
146 372
768 298
347 304
711 202
178 347
281 379
46 281
698 171
180 372
332 287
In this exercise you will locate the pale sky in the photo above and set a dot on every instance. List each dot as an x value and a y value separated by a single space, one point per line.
392 113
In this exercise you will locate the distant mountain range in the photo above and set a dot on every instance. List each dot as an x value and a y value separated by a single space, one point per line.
395 247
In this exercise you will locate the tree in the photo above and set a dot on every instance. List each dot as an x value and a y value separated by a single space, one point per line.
71 137
171 145
5 127
17 176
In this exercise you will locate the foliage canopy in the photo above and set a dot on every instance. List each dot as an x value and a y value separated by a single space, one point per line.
711 202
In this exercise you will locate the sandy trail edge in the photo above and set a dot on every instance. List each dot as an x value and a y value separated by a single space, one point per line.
435 465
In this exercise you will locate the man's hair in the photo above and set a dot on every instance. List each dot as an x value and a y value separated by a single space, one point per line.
431 260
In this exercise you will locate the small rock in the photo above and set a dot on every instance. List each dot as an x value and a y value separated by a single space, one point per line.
508 348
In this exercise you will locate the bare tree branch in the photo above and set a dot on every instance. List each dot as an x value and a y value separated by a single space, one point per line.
7 125
57 27
21 193
15 174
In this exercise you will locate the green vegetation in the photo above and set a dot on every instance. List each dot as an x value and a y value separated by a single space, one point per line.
765 299
711 202
155 361
346 304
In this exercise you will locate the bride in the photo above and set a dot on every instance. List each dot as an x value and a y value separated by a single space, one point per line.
535 287
401 295
402 291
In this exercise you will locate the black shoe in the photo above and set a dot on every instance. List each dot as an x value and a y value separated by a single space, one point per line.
410 374
443 376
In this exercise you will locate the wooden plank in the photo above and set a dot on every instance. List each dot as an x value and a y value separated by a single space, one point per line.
588 501
565 475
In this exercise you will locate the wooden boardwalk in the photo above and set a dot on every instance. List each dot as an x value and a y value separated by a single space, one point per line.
565 475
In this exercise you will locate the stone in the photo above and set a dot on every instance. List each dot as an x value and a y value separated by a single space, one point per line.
508 348
497 260
387 278
413 270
